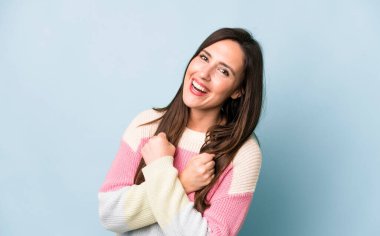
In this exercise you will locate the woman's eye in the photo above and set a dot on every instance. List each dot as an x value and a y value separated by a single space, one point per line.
203 57
224 72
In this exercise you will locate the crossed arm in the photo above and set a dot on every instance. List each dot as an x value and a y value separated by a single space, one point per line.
118 189
162 197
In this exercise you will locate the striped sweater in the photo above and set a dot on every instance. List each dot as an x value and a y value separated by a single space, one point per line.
160 206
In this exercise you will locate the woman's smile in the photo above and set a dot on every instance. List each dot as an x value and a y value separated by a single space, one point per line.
197 88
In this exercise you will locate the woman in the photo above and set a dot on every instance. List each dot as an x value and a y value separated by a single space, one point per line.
191 168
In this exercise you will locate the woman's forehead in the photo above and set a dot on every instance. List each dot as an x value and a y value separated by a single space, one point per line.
228 52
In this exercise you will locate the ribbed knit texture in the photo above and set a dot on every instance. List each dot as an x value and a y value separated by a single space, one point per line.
160 206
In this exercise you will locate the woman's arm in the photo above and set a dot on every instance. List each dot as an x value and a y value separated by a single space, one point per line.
230 201
123 206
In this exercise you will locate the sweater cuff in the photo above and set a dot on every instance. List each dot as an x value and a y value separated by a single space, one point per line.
160 165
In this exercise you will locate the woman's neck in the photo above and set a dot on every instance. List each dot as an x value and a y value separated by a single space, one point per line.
202 121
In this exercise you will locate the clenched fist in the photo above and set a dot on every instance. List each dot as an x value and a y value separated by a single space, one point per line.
198 172
158 146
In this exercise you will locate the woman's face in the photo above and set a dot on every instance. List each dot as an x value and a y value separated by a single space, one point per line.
213 76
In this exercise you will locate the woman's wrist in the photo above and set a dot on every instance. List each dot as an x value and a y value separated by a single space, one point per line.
183 182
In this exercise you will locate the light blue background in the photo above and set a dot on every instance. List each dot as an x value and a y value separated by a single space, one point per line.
74 73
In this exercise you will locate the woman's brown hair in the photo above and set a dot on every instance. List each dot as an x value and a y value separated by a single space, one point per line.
241 114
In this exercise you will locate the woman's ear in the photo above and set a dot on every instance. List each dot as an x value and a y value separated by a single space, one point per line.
237 94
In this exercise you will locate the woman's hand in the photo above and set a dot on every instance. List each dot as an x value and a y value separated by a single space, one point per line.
158 146
198 172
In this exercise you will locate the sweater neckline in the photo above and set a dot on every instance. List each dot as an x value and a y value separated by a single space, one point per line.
192 140
194 133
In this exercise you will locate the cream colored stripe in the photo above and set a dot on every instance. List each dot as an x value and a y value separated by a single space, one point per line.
137 208
134 133
165 192
125 209
246 168
190 140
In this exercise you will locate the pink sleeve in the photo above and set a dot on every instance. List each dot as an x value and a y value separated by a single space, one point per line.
123 168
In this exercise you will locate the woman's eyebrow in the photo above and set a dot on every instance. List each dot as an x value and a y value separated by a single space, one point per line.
222 63
208 54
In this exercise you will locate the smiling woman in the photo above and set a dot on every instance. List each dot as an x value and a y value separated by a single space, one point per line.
211 78
191 168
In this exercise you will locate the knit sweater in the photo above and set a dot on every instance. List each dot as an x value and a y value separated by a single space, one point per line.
160 206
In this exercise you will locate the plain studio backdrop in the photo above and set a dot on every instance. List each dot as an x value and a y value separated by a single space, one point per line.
73 74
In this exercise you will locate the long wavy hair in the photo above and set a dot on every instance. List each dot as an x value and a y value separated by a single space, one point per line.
241 114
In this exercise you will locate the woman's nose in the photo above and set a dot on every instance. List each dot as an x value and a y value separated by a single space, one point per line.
205 72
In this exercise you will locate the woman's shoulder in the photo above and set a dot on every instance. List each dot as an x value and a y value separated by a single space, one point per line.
145 117
140 127
246 167
249 151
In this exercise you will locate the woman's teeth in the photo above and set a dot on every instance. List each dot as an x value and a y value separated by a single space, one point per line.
198 87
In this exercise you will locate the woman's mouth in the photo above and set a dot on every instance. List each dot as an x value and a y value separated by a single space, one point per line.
197 89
